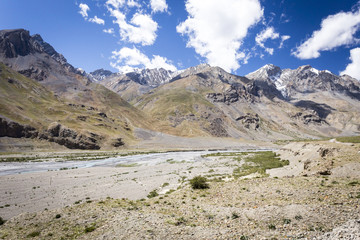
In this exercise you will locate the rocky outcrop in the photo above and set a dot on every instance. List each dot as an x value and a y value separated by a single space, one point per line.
71 138
34 54
13 129
216 128
234 94
100 74
118 142
55 133
34 73
14 43
250 121
309 117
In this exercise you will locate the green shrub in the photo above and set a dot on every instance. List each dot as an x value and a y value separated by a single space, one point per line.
199 182
2 221
33 234
90 229
234 215
153 193
271 226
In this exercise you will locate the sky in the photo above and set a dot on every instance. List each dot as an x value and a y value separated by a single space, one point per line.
238 35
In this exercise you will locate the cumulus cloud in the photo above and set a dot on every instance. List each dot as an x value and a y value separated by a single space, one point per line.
336 30
109 31
353 69
83 10
141 29
115 3
133 3
127 59
158 5
215 29
97 20
268 33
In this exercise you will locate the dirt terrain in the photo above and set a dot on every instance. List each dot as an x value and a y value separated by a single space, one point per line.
316 196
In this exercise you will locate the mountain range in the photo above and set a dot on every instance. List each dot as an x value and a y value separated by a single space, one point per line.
45 97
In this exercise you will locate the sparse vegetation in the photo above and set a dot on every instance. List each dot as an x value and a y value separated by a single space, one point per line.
153 194
258 163
90 228
33 234
352 139
126 165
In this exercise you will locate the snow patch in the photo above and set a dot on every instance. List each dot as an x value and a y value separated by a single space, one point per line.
314 70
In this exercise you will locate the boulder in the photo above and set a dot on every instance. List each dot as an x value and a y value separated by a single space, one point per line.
118 142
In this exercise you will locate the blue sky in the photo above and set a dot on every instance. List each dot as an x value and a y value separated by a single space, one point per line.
238 35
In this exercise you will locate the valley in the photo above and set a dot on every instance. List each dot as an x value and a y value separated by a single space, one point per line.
106 155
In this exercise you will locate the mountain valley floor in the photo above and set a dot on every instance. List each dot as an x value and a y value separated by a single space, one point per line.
316 194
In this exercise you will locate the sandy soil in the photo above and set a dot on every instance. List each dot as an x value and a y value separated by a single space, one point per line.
32 192
315 196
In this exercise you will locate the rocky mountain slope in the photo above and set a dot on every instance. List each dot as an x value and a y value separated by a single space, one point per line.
40 89
133 84
268 104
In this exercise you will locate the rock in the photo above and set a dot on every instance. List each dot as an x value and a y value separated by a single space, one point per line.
54 129
34 73
216 128
325 172
118 142
101 114
233 94
309 117
81 118
323 152
71 138
14 43
13 129
307 164
249 121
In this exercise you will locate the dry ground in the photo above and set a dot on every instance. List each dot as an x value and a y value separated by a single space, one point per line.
317 193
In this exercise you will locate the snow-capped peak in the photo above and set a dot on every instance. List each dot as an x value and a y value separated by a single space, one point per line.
314 70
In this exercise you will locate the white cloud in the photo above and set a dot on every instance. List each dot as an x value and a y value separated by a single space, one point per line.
115 3
109 31
336 30
268 33
158 5
353 69
126 59
133 3
97 20
216 29
283 39
83 10
141 29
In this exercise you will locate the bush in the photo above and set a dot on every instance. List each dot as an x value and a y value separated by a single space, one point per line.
90 229
2 221
33 234
199 182
153 193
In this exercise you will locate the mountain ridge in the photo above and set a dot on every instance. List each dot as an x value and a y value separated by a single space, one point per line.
268 104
